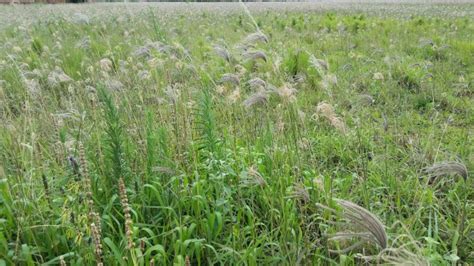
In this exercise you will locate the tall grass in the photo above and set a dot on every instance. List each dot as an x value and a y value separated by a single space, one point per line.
137 136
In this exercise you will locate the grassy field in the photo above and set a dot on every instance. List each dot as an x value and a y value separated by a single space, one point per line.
186 134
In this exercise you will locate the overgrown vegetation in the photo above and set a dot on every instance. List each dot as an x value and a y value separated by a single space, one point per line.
133 135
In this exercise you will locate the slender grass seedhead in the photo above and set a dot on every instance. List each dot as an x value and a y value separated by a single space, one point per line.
46 189
85 172
142 245
93 215
127 215
97 238
75 167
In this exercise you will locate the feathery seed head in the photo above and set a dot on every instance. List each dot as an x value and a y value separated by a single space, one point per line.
257 84
378 76
365 99
320 65
234 96
258 98
253 178
338 124
106 64
256 37
438 170
255 55
301 193
240 70
222 52
361 224
230 78
287 93
325 109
